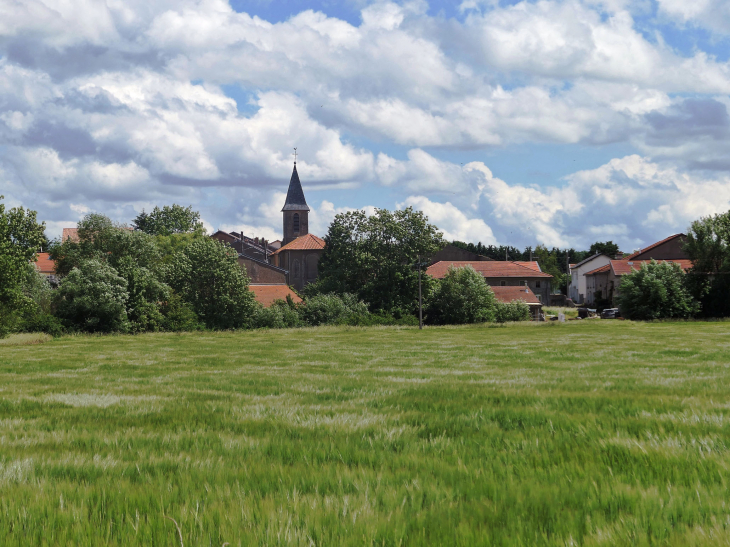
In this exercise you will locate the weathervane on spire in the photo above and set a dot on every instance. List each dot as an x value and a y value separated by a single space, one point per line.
295 155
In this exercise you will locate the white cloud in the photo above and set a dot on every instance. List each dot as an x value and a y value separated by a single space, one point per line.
451 220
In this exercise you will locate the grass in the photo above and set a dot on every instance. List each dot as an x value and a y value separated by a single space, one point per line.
555 310
583 433
26 339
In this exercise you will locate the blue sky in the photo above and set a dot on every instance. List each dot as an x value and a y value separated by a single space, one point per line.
557 122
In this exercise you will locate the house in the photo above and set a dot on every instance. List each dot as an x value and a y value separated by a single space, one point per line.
499 273
267 294
70 234
508 294
46 266
257 248
602 283
577 288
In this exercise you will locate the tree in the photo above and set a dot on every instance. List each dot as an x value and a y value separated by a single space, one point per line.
608 248
93 298
133 255
206 275
656 291
374 258
171 219
462 296
708 246
20 239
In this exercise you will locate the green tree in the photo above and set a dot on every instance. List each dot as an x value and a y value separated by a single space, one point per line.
708 246
171 219
374 258
20 239
133 255
656 291
462 296
206 275
93 297
608 248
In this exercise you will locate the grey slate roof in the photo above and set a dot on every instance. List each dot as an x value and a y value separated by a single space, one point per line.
295 196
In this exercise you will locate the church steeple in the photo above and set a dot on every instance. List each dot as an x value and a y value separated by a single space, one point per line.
296 210
295 196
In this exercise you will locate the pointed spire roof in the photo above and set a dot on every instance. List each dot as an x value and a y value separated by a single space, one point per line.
295 196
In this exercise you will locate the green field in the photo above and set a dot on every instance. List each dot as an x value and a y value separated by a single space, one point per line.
583 433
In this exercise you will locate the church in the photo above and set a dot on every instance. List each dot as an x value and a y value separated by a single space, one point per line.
300 251
290 262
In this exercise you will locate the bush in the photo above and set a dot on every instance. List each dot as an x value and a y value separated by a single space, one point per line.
462 296
512 311
280 315
42 322
332 309
656 291
93 298
179 316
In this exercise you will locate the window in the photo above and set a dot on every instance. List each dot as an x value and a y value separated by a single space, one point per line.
296 222
502 283
537 284
296 269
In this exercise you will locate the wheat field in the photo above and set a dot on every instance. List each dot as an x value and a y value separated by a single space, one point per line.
583 433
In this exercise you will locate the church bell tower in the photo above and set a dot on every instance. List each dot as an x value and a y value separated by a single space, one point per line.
296 210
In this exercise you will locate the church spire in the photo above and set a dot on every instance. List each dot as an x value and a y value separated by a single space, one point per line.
295 196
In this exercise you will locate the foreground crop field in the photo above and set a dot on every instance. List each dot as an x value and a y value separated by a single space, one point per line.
586 433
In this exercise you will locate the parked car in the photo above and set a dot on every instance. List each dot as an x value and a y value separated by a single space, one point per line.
610 313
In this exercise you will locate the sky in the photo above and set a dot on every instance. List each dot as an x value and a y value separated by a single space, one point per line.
509 122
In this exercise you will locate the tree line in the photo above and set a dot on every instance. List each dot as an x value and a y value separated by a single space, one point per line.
164 274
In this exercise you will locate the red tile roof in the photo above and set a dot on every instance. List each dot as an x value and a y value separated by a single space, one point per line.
44 264
492 268
623 267
602 269
70 233
510 294
268 294
652 246
303 243
532 265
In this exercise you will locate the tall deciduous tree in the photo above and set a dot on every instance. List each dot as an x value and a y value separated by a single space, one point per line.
20 239
206 274
708 246
608 248
171 219
656 291
374 257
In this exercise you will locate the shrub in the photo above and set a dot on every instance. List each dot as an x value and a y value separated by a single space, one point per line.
280 315
179 316
332 309
461 297
93 297
512 311
656 291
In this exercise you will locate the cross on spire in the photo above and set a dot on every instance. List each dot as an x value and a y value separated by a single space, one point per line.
295 155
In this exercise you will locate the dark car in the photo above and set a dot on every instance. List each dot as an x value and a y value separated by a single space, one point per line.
610 313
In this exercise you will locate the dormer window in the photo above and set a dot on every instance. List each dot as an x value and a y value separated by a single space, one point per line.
296 222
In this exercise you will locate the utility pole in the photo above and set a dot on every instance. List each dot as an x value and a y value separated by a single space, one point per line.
420 300
570 277
505 254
